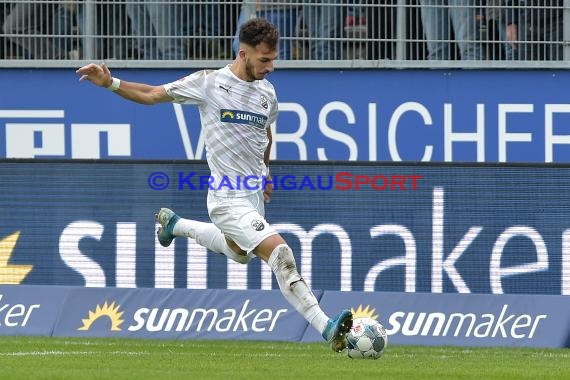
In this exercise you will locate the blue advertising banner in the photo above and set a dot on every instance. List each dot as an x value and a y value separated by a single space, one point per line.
409 318
413 228
460 319
348 115
30 310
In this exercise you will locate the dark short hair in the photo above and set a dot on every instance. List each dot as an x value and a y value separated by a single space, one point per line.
258 30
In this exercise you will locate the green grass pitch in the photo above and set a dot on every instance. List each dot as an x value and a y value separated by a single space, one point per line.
63 358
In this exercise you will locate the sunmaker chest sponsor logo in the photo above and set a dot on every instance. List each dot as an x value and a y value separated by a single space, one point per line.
159 319
503 324
243 117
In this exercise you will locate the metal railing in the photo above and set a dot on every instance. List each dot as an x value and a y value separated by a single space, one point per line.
320 34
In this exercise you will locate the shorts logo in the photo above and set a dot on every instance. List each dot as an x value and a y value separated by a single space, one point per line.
258 225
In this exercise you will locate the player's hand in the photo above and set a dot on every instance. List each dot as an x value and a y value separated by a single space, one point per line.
99 75
268 188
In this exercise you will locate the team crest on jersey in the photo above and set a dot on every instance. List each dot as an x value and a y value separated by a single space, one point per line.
264 102
243 117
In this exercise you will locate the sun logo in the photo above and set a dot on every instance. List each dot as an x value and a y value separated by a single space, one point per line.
227 114
367 312
111 311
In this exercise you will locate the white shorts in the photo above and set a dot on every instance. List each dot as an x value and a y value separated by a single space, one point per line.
241 219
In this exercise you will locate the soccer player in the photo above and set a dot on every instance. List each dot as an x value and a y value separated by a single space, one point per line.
237 106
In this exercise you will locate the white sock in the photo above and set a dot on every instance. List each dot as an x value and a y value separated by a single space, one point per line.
209 236
294 288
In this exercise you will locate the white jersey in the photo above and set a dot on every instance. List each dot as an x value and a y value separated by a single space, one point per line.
235 116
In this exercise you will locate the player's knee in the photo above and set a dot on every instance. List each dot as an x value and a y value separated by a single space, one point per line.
236 253
241 258
283 265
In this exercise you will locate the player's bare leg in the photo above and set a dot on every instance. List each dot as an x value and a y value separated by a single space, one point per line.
205 234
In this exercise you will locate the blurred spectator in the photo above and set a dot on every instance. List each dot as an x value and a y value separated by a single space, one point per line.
202 24
324 23
356 31
535 29
5 49
173 30
142 30
66 28
112 26
108 38
496 24
27 25
158 27
379 17
225 15
355 22
441 18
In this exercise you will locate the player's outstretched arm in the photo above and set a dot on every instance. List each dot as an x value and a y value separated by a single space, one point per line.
142 93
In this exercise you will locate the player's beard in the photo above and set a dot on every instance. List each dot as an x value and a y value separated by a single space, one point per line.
250 72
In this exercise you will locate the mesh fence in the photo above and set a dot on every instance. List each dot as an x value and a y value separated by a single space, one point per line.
478 33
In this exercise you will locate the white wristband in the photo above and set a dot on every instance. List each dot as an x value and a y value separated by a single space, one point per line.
115 84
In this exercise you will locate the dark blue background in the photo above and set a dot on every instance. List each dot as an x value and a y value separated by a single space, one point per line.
41 198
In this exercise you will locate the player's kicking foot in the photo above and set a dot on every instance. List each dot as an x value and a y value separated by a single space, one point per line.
336 330
167 219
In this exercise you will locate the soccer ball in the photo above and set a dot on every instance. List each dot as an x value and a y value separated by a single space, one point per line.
366 339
